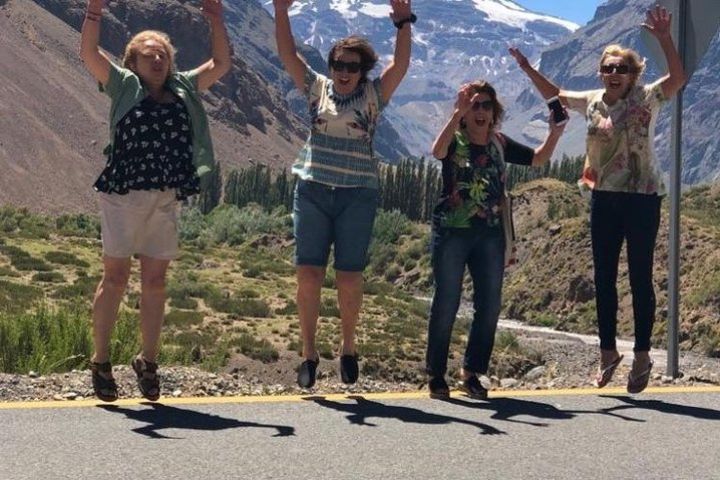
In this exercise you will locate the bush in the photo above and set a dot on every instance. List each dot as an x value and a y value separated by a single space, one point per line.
186 303
48 277
232 225
17 298
78 225
44 341
256 349
64 258
389 226
179 318
235 305
83 288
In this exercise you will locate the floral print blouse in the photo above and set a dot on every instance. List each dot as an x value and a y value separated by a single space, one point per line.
620 156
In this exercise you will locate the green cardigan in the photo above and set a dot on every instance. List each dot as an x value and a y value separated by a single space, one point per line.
126 90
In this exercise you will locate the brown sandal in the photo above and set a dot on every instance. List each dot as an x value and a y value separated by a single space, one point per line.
103 382
638 383
604 375
147 378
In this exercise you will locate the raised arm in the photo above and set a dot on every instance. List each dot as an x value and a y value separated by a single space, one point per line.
294 65
658 22
545 151
95 61
394 73
220 63
444 139
546 88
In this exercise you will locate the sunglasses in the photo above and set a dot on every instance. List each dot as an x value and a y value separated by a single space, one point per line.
615 68
350 67
487 105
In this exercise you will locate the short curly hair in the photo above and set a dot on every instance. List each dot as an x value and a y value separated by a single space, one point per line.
359 45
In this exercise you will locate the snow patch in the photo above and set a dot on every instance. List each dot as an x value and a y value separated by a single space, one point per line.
508 12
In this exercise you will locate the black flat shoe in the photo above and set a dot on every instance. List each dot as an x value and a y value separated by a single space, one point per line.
349 368
473 388
439 388
306 373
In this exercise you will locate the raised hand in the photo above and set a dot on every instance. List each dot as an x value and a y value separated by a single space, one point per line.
465 99
212 9
658 22
554 127
521 59
282 5
401 9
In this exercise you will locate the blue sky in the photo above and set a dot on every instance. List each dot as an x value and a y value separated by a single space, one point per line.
578 11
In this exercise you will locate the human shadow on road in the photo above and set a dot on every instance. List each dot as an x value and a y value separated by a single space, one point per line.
363 409
664 407
506 409
162 417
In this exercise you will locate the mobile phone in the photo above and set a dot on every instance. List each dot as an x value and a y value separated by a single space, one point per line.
557 110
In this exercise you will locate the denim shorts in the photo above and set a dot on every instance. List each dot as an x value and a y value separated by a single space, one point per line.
325 215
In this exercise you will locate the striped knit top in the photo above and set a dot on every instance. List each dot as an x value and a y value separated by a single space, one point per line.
339 151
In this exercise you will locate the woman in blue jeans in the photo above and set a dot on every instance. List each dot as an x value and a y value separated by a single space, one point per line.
337 190
469 229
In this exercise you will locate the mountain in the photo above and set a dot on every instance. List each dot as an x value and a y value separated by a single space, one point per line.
453 42
54 120
572 63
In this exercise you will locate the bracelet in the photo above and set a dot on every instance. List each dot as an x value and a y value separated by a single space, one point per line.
92 19
411 19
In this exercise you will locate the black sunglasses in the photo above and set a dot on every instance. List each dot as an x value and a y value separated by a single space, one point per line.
350 67
485 105
615 68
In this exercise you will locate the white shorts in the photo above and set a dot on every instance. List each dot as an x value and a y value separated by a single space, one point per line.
142 222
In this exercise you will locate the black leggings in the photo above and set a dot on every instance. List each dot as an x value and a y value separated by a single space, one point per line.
614 217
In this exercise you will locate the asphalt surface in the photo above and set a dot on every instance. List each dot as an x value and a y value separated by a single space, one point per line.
661 434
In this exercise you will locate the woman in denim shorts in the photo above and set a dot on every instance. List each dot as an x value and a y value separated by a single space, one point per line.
159 149
472 227
337 190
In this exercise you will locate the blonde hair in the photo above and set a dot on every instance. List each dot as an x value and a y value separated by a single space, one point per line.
633 58
133 46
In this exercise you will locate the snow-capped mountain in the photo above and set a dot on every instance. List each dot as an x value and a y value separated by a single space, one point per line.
454 41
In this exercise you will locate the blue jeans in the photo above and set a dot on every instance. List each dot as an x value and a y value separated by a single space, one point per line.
325 215
635 218
483 251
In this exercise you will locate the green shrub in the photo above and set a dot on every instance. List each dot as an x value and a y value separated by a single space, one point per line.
261 350
44 341
78 225
186 303
235 305
83 288
48 277
7 272
181 319
389 226
64 258
232 225
17 298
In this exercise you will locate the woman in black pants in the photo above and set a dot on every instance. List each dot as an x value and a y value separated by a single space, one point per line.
626 184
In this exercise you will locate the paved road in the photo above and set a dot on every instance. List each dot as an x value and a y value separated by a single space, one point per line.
664 433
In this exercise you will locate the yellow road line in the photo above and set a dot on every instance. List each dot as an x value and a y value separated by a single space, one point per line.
345 396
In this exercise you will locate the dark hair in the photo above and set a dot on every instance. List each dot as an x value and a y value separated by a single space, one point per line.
359 45
481 86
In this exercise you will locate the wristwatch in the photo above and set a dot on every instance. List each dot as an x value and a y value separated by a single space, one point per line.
411 19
